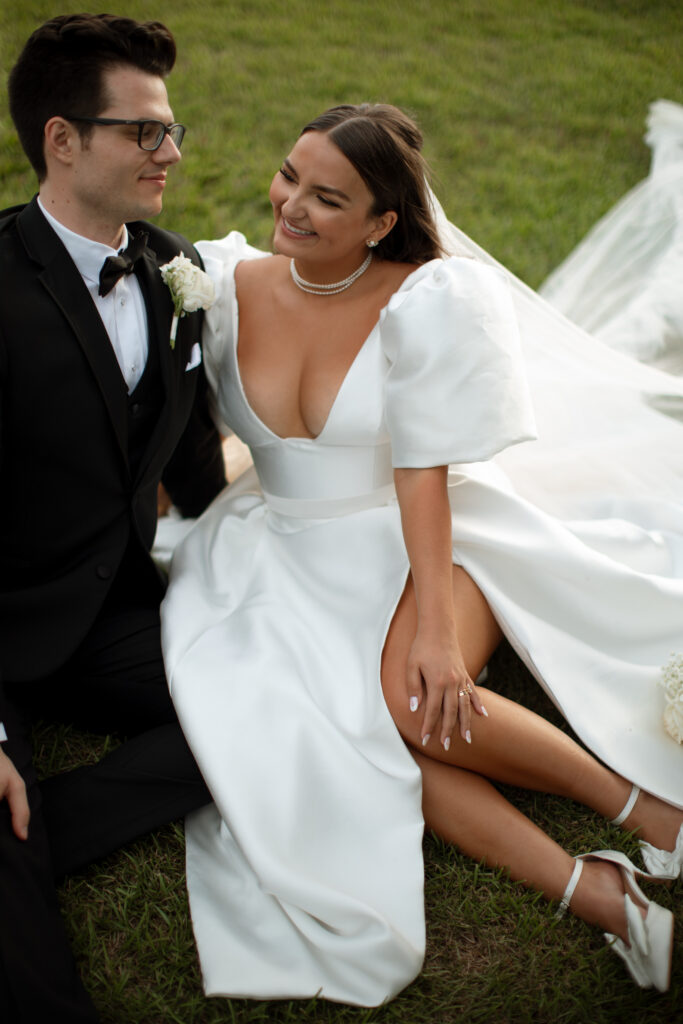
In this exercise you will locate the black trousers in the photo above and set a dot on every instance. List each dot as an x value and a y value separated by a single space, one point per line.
114 683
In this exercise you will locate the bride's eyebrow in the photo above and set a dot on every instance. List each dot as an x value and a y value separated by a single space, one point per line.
318 188
332 191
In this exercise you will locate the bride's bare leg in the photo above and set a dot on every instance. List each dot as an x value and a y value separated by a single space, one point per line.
465 809
512 745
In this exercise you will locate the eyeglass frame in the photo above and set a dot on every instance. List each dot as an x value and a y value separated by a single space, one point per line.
140 124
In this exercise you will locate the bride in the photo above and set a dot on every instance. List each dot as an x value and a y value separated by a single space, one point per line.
329 616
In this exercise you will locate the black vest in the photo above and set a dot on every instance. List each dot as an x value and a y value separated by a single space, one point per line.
144 407
136 579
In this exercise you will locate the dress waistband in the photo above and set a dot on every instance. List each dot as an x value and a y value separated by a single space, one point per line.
318 481
330 508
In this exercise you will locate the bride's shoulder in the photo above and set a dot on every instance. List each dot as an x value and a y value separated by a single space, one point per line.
253 273
396 273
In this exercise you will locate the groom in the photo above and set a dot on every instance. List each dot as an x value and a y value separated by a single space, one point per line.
96 407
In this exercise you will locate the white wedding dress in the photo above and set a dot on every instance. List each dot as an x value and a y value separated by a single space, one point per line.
306 875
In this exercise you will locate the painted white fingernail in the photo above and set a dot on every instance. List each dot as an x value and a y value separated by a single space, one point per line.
414 703
484 711
447 743
425 739
468 736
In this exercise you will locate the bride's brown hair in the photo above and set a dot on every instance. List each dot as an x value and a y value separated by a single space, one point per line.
384 145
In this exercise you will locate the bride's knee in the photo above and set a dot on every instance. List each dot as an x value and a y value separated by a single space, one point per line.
397 700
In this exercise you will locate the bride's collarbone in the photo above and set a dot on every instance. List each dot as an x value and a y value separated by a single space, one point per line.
306 337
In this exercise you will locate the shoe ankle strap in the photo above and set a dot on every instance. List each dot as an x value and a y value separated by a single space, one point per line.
569 891
628 806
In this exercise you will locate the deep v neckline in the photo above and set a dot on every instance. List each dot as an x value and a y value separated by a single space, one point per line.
354 362
247 403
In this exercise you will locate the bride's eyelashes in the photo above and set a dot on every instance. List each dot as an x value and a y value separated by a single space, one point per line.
323 199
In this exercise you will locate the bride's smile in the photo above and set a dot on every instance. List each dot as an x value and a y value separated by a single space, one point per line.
323 210
297 231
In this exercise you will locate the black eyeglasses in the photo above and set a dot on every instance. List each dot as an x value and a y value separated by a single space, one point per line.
150 133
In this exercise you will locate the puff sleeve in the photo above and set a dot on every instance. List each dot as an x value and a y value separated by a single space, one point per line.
220 258
455 389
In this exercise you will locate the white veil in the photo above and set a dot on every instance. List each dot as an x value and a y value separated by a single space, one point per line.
624 282
610 429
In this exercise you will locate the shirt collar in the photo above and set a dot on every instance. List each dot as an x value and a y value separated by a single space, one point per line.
86 254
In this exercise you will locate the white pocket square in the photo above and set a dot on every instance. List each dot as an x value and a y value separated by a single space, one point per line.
195 357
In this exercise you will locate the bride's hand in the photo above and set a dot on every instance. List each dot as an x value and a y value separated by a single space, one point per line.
435 664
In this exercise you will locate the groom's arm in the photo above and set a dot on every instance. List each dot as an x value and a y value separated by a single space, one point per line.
195 473
12 786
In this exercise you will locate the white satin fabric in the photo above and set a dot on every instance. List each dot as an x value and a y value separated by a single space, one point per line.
306 876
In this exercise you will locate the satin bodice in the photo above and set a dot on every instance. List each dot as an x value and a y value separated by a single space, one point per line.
345 468
436 381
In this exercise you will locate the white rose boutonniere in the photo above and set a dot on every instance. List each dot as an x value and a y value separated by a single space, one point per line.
191 289
672 681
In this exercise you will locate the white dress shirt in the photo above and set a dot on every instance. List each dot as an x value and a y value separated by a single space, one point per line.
122 311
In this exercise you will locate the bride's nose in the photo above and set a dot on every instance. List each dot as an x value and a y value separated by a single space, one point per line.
293 206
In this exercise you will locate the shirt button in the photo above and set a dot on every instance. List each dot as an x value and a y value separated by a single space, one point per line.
103 572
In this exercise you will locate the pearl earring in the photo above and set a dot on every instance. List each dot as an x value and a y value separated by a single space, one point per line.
371 243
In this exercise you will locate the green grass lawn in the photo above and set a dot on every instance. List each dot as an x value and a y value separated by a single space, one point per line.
533 114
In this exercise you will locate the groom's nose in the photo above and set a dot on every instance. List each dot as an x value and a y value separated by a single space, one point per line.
168 152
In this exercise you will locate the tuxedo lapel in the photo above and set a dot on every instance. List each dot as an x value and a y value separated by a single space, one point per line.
159 314
64 283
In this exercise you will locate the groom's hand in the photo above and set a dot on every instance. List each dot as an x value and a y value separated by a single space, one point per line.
13 790
163 501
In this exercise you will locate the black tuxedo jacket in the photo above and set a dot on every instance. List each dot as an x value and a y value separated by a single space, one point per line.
69 503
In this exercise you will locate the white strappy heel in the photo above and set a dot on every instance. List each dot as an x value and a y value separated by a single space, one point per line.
665 864
648 955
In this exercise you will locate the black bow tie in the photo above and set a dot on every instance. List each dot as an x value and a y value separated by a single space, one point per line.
114 267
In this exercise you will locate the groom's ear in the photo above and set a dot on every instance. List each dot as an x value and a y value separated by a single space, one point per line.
59 141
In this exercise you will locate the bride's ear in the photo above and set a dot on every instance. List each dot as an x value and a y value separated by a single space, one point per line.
383 225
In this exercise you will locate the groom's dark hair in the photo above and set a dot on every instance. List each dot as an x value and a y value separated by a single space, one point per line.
61 70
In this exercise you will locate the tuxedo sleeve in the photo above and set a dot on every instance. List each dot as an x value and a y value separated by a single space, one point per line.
3 375
195 472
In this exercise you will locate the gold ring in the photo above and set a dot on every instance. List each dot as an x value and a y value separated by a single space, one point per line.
463 693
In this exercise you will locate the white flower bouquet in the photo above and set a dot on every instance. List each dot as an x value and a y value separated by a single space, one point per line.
672 681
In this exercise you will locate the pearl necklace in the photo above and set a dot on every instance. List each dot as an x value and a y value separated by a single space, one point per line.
329 289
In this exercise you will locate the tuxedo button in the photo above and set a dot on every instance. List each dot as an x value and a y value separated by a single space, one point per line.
135 407
103 572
